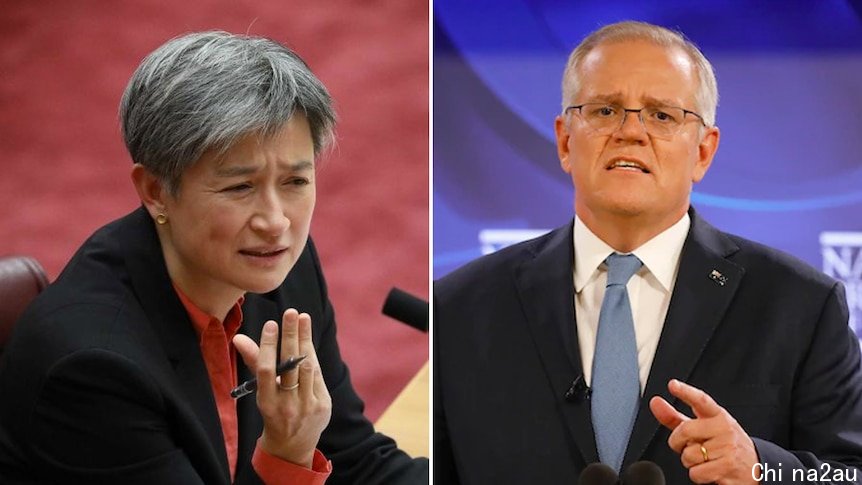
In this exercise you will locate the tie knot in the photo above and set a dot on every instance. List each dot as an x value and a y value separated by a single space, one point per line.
621 267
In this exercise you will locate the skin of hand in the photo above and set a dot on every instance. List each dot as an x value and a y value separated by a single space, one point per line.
731 451
292 419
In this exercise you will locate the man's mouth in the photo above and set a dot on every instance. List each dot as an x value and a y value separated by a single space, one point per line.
627 164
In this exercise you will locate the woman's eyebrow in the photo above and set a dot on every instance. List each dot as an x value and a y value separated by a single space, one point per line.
241 170
235 170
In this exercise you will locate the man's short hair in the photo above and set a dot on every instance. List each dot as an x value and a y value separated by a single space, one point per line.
706 96
204 91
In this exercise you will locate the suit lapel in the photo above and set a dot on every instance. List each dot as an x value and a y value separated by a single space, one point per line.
546 289
171 324
697 306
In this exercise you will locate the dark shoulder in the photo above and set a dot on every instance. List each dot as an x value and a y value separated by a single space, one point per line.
68 335
90 282
498 266
769 271
60 323
87 306
763 262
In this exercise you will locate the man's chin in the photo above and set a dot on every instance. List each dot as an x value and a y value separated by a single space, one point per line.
615 204
629 207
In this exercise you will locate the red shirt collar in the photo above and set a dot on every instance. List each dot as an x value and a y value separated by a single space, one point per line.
201 320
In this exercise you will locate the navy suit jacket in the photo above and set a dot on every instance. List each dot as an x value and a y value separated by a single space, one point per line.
771 345
104 382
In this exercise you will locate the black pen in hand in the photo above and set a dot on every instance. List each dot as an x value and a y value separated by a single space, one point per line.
250 386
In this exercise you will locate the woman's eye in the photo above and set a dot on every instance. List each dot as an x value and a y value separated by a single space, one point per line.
298 181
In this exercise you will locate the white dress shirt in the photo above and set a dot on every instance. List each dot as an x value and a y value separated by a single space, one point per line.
649 290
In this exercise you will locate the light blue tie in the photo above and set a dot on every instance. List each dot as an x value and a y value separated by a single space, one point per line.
615 381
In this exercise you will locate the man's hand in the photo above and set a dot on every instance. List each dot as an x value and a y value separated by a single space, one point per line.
293 416
730 451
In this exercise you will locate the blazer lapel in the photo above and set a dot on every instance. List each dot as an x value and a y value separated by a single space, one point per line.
172 326
705 286
256 310
546 289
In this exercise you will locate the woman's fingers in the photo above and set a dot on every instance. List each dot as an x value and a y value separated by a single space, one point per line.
289 343
266 386
247 349
306 382
306 346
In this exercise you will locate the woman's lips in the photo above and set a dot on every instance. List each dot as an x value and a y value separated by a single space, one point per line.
265 256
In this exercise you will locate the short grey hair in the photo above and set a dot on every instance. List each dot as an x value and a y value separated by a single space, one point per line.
706 96
204 91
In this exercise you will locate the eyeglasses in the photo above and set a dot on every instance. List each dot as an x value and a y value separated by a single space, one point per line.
658 121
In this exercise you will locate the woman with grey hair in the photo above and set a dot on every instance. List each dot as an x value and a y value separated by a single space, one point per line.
122 371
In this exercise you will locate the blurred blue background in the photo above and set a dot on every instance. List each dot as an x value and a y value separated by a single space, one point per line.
788 172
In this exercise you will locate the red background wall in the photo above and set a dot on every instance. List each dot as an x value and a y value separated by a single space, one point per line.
65 171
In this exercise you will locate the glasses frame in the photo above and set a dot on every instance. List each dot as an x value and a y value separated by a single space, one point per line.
626 112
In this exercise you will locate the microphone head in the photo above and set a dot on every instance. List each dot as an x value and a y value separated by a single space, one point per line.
598 474
407 308
643 473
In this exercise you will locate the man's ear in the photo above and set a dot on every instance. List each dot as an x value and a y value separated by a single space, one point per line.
705 152
151 190
561 130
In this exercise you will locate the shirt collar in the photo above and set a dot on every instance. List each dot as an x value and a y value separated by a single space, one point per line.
201 320
660 255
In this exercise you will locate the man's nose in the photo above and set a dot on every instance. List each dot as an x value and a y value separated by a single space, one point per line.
632 126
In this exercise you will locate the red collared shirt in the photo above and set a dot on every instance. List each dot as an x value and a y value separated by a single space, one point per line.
220 359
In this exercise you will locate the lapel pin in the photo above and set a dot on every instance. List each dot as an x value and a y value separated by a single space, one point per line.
718 277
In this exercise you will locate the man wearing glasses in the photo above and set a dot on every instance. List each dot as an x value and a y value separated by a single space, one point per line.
639 331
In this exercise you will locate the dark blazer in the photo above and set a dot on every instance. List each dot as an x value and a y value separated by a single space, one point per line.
771 345
103 380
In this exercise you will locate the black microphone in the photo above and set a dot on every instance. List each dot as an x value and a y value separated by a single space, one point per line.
598 474
643 473
578 391
407 308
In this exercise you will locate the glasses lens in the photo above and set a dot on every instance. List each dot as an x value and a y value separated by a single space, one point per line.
603 118
663 120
